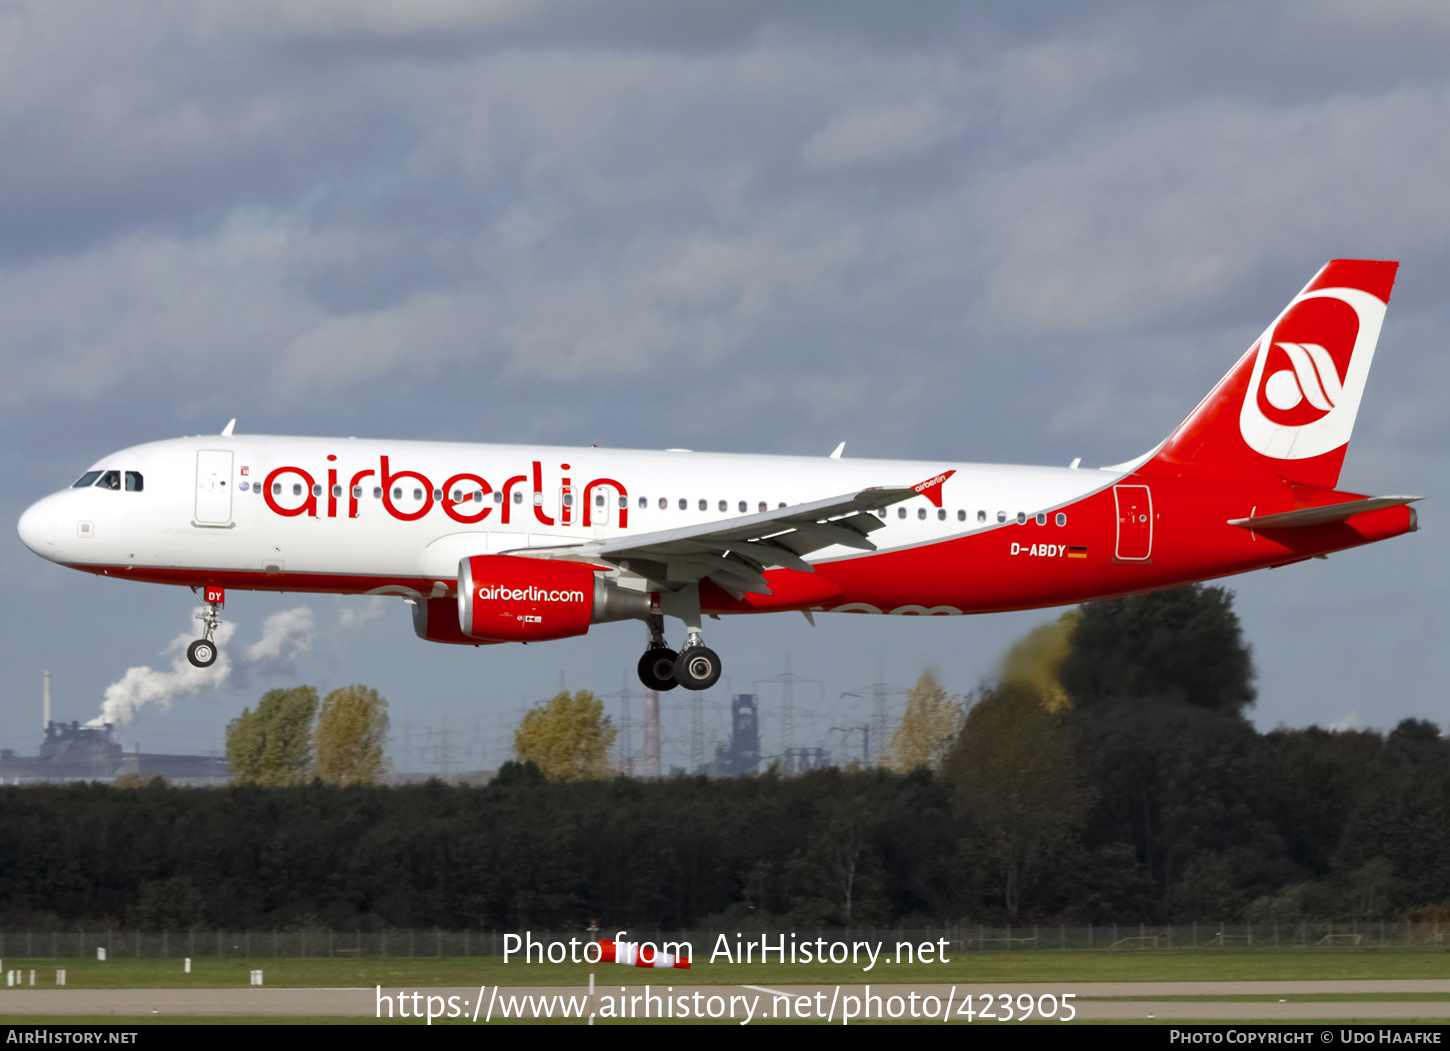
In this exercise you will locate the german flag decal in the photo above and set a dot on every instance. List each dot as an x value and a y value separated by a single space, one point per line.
1077 552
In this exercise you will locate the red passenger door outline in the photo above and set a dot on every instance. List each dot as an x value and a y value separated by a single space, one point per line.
1135 523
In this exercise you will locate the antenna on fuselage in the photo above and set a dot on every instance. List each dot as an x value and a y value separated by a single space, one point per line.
227 430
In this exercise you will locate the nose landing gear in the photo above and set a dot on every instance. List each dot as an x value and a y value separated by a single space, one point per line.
203 652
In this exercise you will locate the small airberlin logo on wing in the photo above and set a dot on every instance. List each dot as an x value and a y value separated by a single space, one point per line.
528 594
1309 374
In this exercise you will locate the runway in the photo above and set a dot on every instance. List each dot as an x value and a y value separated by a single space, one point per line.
1091 1001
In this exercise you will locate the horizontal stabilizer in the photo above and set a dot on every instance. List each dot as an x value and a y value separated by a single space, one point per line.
1313 516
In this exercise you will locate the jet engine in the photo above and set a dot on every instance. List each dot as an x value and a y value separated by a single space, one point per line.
505 598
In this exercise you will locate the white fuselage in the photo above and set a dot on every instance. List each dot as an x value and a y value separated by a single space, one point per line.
203 507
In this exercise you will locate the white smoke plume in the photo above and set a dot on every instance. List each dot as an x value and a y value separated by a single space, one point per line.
285 637
145 685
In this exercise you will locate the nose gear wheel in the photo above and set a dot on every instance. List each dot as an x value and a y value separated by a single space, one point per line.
202 653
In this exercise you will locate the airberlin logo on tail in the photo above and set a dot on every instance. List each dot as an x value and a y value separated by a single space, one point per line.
1311 384
1309 374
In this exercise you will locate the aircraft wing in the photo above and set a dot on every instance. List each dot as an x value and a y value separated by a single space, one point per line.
735 552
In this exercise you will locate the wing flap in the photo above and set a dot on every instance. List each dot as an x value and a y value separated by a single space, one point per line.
735 552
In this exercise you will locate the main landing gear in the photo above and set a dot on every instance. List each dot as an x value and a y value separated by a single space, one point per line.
203 652
695 667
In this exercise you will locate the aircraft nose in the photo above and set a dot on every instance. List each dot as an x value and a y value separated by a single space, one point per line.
37 527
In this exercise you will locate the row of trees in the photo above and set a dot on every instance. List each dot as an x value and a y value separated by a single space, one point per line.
1108 775
290 739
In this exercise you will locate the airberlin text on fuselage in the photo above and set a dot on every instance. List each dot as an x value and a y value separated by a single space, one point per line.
468 511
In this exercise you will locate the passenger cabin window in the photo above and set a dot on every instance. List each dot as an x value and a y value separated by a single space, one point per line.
624 503
763 507
1001 517
377 492
901 512
1061 519
643 503
684 504
724 505
86 480
981 516
961 516
921 513
941 514
743 505
664 503
598 499
110 480
1042 518
703 505
1021 518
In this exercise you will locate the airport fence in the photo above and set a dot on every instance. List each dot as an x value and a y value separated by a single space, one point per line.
413 944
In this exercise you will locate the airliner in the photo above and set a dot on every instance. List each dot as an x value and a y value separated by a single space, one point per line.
511 543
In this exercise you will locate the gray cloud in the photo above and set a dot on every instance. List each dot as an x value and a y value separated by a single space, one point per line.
942 230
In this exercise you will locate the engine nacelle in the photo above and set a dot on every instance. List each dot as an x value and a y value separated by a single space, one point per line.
505 598
436 620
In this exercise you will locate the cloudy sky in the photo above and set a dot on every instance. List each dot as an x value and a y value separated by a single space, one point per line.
1008 233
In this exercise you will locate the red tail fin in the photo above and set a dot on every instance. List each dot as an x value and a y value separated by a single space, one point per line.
1288 407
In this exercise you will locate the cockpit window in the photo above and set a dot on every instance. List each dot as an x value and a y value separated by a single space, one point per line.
134 482
110 480
86 480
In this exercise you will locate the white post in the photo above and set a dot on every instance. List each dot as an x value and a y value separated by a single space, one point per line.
60 976
187 969
101 953
32 977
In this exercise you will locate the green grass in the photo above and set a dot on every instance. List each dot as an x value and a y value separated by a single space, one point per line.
1130 966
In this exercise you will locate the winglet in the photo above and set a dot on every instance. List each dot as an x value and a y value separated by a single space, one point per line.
839 450
931 488
227 430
